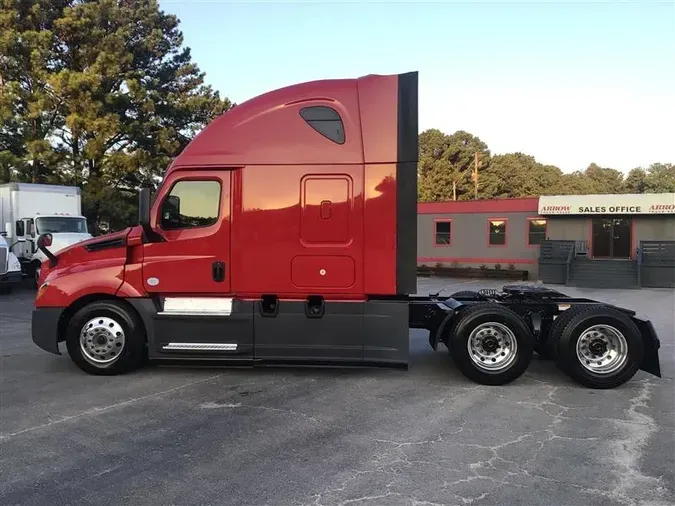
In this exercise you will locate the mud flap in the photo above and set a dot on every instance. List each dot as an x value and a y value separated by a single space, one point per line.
435 333
650 362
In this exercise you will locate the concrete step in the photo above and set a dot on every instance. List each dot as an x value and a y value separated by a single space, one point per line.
587 266
624 285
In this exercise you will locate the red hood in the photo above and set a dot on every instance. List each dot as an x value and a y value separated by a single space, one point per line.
104 248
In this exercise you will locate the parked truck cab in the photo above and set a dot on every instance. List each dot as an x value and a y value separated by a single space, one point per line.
29 210
10 267
286 232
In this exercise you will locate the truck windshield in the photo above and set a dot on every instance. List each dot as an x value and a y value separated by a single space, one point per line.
61 224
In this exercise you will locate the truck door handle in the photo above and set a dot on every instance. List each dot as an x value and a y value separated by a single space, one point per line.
218 271
325 209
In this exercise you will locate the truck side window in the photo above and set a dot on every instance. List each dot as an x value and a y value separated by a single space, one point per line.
326 121
191 204
20 232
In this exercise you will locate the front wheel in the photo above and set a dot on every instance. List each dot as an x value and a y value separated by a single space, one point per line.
600 347
490 344
106 338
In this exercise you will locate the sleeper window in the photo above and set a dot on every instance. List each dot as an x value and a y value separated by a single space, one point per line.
191 204
326 121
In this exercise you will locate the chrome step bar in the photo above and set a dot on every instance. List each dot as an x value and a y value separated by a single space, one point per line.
200 347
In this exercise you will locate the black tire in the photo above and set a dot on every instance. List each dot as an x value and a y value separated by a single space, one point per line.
545 345
5 289
471 317
549 347
574 327
133 349
36 275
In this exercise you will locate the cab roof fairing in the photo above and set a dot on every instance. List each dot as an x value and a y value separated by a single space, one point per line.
269 130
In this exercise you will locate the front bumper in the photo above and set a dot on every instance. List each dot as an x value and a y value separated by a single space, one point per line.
44 328
11 278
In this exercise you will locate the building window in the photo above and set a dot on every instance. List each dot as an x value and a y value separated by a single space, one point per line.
443 232
326 121
191 204
536 231
497 232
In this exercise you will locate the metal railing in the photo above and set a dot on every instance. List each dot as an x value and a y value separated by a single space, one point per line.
568 262
656 264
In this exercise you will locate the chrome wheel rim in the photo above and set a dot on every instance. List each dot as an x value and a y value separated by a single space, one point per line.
492 347
102 341
602 349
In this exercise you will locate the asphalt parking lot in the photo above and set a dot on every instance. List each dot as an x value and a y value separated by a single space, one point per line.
426 436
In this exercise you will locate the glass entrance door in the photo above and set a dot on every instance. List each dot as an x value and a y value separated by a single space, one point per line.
611 238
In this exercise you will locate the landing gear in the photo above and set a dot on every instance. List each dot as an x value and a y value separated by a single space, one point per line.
490 344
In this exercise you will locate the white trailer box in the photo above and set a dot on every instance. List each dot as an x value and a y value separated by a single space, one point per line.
35 209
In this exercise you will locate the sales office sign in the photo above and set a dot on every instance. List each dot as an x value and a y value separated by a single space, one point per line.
646 203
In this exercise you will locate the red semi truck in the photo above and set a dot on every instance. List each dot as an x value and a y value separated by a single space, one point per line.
285 233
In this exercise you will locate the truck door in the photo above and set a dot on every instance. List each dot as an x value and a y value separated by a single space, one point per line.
25 229
192 212
190 273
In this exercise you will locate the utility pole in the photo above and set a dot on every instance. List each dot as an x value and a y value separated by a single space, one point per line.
454 190
475 175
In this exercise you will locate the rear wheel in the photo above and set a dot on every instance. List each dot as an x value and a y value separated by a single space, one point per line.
106 338
490 344
599 347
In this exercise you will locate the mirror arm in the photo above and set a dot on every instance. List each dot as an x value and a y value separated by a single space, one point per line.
47 253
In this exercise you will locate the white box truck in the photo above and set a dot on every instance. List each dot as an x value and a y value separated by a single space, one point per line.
28 210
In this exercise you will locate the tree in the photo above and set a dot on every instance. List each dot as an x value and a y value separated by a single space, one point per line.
114 93
636 181
445 159
517 175
603 180
660 178
29 111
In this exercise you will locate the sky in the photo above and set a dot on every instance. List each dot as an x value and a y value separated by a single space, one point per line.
570 83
